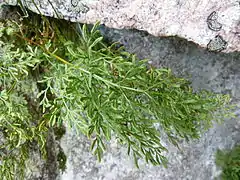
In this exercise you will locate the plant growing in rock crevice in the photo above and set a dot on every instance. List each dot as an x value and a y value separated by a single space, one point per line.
49 77
229 161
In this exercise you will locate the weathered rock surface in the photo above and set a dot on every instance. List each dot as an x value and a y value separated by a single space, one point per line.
210 23
218 72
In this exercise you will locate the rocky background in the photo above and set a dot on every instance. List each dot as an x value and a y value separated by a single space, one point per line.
214 71
212 24
218 72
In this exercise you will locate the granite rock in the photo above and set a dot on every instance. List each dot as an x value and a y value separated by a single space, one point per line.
218 72
212 24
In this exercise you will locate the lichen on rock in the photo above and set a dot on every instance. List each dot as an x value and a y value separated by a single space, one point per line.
197 21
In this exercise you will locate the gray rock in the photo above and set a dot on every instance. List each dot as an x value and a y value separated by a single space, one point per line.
217 72
197 21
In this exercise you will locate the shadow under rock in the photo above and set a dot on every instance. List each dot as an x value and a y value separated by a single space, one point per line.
219 72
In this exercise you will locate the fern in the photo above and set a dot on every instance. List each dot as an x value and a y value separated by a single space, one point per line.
229 161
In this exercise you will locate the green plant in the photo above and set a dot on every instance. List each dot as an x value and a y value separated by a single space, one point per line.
229 162
49 76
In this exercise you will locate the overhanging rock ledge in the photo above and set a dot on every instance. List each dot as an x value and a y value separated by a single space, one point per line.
211 24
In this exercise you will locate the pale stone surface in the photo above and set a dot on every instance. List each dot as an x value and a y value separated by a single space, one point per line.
195 20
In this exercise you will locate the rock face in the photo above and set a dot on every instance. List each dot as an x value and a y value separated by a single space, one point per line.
218 72
209 23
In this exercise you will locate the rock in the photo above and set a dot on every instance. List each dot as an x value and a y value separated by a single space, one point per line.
211 24
218 72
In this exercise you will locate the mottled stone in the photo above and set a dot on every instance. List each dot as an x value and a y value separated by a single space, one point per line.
218 72
197 21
